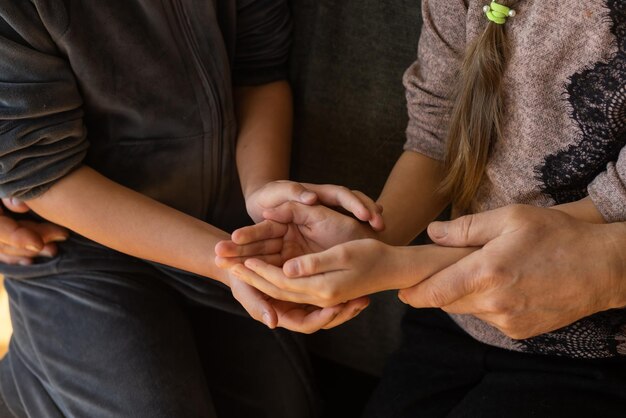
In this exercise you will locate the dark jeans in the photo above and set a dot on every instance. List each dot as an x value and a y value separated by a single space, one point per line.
99 334
440 371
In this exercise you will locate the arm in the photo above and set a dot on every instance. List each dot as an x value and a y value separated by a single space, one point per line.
124 220
348 271
538 269
410 197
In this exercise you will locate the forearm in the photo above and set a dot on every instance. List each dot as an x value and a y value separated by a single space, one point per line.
414 264
410 198
264 117
124 220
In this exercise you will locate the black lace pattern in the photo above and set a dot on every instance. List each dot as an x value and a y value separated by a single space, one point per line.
597 96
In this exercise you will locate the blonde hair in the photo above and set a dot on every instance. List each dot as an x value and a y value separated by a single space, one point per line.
476 120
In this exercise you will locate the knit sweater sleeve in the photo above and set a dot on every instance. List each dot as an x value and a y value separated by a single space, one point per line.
42 135
430 80
608 190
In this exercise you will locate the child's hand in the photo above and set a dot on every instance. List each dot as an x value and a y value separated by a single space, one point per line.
278 192
343 272
292 229
295 317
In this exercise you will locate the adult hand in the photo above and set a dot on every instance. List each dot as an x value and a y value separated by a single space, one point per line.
538 270
22 240
278 192
295 317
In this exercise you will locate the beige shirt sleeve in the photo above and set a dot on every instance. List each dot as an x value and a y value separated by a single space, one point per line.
608 190
430 81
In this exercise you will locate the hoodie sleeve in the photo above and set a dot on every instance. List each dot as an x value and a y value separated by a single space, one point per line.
263 41
42 135
430 81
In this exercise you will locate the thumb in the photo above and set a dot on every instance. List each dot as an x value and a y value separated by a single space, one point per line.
284 191
470 230
294 212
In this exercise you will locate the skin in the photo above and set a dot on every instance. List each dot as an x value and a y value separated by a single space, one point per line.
132 223
538 269
525 270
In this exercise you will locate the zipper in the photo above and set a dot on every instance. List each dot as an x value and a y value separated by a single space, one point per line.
213 103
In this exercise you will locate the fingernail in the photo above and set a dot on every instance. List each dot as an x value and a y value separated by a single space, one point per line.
308 196
46 253
31 247
58 238
251 263
267 319
291 269
438 230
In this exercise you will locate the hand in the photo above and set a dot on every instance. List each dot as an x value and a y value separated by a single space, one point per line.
295 317
343 272
277 192
21 241
539 270
291 229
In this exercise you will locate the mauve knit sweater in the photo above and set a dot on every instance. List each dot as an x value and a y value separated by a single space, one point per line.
564 130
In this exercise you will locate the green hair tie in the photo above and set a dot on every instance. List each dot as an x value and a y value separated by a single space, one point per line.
498 13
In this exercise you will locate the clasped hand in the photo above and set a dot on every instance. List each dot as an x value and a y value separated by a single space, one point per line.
274 243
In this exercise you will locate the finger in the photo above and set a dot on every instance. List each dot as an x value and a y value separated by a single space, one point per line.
255 303
228 262
15 235
445 287
267 229
376 220
48 232
280 192
333 195
305 319
15 205
470 230
350 310
265 247
260 283
308 285
10 259
317 263
293 212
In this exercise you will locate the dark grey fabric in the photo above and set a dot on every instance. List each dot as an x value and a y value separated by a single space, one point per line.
101 334
154 82
441 371
347 62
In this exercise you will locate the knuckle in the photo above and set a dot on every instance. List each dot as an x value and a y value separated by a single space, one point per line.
295 188
344 256
465 223
496 305
328 295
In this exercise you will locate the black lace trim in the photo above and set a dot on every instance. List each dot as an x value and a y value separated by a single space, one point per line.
597 96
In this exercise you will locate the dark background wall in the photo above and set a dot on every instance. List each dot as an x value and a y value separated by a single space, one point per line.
347 62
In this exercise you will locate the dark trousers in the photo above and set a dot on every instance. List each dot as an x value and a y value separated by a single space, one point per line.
99 334
440 371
